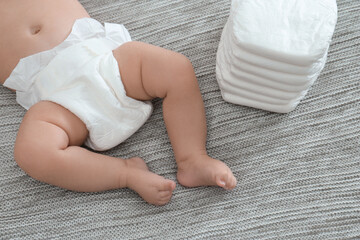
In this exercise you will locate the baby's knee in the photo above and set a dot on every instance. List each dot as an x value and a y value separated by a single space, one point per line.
184 73
183 64
23 156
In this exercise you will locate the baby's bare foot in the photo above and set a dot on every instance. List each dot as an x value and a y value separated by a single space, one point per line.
202 170
153 188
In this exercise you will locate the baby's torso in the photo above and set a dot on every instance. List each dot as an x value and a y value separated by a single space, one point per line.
28 27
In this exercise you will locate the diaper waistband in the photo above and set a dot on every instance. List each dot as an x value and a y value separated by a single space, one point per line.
83 29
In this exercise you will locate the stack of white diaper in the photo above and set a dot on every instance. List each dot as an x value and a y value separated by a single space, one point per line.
272 51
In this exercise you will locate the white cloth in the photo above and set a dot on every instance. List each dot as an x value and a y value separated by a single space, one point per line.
82 75
272 51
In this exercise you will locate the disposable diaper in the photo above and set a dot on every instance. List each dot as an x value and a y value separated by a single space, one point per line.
272 51
82 75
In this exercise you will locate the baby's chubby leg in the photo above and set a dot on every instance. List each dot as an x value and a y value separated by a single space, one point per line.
48 149
148 72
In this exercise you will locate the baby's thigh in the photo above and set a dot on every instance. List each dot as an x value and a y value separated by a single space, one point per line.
129 59
63 119
148 71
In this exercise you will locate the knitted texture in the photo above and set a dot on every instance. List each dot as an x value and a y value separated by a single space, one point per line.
298 173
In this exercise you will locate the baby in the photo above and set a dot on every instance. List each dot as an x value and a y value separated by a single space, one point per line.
88 84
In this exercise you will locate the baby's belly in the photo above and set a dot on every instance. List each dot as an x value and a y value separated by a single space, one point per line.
28 27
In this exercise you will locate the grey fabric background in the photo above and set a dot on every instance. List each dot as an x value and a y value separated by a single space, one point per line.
298 173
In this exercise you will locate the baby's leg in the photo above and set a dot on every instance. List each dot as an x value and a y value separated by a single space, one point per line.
149 72
47 148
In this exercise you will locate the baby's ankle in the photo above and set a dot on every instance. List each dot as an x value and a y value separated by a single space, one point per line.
134 166
191 156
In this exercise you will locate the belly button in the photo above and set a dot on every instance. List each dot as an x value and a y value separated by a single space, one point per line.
35 30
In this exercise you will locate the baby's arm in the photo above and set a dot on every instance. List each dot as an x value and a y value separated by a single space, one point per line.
48 149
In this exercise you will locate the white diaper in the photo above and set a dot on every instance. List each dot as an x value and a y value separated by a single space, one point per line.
82 75
272 51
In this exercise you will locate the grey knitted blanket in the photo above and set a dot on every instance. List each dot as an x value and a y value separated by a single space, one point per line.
298 173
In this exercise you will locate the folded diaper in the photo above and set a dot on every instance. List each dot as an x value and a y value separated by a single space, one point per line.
272 51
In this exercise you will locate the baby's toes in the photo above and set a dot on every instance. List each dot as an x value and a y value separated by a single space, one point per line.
163 197
167 186
221 180
226 180
165 194
232 183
